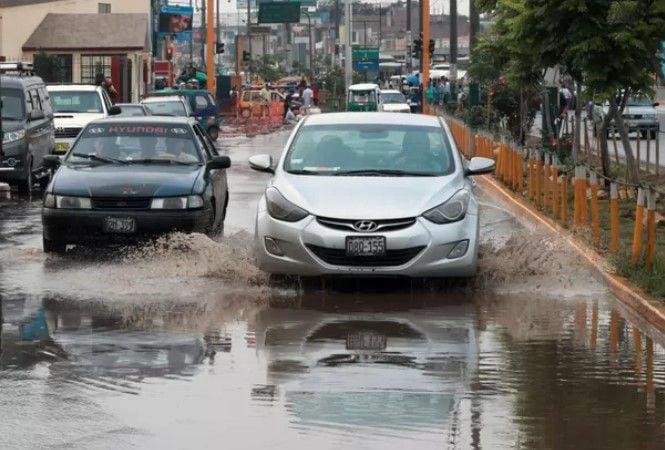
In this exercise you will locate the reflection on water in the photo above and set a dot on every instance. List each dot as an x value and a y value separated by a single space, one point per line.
426 367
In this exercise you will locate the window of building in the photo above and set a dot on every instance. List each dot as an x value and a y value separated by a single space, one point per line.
91 65
104 8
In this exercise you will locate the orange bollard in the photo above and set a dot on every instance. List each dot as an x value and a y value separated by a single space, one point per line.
555 190
637 233
651 230
594 325
576 197
595 214
614 218
520 174
539 181
584 215
546 184
564 200
532 181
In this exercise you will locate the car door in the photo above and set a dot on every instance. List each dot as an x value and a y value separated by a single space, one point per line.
217 178
38 129
201 109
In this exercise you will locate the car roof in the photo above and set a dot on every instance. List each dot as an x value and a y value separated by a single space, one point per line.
363 86
372 118
20 81
154 120
138 105
72 87
171 91
162 98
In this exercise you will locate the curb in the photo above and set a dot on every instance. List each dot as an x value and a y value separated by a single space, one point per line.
647 306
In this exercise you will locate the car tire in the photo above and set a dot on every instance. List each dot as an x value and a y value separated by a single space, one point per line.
54 246
213 132
25 185
654 134
45 180
643 134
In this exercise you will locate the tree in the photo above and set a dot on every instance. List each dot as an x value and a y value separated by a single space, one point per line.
268 67
49 67
609 46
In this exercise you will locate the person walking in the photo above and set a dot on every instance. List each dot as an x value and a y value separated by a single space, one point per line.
265 99
307 97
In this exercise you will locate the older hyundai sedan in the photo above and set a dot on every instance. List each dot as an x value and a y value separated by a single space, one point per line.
369 194
126 178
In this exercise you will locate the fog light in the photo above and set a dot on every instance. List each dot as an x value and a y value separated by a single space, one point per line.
272 247
459 250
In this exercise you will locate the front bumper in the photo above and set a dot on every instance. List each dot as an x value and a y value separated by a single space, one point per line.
430 243
13 164
87 226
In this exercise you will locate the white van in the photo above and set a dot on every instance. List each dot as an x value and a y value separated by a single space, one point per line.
74 106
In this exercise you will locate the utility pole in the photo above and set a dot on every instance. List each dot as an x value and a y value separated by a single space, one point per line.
348 68
474 23
424 69
210 47
249 40
191 39
380 14
204 31
409 36
311 44
453 40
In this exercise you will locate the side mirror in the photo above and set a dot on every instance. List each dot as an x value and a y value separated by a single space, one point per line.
479 166
218 163
114 110
261 163
656 104
52 161
36 114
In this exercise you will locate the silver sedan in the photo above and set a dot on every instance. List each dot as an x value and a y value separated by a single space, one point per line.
369 194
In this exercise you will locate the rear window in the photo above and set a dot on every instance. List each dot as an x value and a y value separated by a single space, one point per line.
76 102
167 108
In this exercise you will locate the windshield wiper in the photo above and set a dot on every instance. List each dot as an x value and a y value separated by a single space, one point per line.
160 161
386 172
99 158
303 172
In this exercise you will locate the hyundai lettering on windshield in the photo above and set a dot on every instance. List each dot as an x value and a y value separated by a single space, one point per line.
138 131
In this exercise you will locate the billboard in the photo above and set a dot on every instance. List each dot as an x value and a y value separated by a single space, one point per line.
175 21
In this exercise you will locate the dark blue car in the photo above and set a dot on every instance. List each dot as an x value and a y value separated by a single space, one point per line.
204 106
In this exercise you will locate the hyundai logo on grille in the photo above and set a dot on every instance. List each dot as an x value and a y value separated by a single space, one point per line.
365 226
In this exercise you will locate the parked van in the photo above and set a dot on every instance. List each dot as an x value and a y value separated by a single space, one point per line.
27 127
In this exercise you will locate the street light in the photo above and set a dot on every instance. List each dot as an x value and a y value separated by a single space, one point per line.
311 44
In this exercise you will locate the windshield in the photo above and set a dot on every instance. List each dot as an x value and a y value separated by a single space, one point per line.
639 101
362 96
393 98
130 111
76 102
381 149
167 108
135 143
13 105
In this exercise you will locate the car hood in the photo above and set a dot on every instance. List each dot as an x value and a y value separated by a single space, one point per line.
126 181
75 119
365 197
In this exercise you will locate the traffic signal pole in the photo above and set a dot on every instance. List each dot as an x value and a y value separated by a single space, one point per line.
424 70
210 46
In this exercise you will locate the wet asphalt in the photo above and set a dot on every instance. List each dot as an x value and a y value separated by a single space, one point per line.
186 345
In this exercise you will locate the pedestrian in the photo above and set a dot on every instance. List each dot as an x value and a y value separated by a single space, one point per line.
307 97
447 90
287 102
107 84
264 94
315 94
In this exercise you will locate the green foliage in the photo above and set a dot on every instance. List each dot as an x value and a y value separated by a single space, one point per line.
49 67
268 67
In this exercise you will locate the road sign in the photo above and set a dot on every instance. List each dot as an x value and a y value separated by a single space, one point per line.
256 29
279 12
365 59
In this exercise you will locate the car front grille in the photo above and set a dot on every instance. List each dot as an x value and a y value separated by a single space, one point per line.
338 257
67 132
381 225
120 203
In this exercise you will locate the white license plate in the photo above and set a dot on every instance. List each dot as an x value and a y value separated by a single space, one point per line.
366 340
365 246
119 225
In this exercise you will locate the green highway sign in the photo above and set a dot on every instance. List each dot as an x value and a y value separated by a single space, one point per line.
365 58
279 12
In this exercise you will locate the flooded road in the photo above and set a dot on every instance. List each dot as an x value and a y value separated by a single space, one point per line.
185 344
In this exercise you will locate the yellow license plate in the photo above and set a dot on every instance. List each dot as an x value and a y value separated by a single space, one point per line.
61 147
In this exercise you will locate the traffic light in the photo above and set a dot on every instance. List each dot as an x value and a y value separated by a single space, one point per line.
219 48
245 56
431 47
417 47
169 53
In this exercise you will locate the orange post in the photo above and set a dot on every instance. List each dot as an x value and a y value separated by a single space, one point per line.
532 181
637 233
576 197
595 213
520 173
594 325
555 190
564 200
546 183
584 216
210 47
539 182
651 230
614 218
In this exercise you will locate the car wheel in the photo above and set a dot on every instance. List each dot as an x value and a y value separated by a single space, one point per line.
654 134
25 185
54 246
45 180
213 132
643 134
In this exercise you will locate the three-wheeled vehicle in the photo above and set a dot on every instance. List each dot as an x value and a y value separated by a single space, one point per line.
363 97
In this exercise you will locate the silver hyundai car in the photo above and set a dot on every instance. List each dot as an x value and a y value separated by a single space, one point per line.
360 194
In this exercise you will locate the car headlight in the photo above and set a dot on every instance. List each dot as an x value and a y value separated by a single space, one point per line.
282 209
13 136
452 210
190 202
65 202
